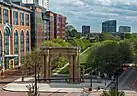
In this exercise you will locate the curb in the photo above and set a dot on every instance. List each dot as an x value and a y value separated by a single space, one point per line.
38 91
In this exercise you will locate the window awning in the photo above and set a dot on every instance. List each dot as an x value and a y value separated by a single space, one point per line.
11 56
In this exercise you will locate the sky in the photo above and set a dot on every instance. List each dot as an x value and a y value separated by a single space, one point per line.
94 12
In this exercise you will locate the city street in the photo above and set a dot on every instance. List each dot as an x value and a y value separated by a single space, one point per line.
127 82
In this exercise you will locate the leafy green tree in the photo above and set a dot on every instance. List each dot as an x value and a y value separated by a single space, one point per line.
82 43
30 61
108 36
63 43
50 43
72 32
128 36
109 55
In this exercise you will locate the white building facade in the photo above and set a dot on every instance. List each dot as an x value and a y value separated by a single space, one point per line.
43 3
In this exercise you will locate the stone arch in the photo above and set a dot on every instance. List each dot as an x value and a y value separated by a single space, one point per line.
71 53
21 45
16 47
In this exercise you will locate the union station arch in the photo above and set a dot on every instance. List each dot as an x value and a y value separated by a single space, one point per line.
70 53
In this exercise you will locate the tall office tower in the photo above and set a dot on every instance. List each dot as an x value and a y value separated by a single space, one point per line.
85 30
124 29
109 26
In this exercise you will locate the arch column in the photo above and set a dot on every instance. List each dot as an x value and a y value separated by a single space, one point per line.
46 68
77 69
71 69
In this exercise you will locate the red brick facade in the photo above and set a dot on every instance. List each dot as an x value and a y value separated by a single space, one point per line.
57 24
14 28
60 26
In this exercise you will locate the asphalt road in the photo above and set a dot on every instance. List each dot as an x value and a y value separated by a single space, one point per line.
127 80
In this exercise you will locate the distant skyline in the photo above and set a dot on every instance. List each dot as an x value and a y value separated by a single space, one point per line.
94 12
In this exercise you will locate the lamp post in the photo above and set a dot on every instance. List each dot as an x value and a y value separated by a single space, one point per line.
34 8
35 80
90 89
105 75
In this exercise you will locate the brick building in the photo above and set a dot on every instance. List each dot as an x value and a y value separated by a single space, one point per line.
57 24
38 19
60 24
15 36
50 25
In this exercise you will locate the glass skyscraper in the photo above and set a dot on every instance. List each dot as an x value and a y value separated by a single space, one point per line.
109 26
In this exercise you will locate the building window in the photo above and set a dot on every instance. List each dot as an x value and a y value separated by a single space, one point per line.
27 42
6 46
15 16
21 45
1 49
16 47
6 41
21 18
27 19
0 16
37 1
5 15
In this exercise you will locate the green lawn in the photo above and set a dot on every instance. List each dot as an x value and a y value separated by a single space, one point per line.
84 56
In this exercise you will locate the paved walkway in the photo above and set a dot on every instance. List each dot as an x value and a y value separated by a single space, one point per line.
18 86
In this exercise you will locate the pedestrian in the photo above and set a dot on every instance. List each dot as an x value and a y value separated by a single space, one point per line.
98 88
1 73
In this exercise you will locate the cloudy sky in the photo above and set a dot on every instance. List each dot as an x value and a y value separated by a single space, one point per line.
93 12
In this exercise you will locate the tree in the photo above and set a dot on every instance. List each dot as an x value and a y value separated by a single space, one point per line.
128 36
72 32
29 62
108 36
61 42
109 55
50 43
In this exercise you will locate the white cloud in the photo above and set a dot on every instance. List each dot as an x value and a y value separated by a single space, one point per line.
96 11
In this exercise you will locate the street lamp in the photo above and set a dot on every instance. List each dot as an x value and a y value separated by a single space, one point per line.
105 75
34 9
90 89
35 80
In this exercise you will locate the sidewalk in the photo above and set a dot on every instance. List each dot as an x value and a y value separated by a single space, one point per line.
18 86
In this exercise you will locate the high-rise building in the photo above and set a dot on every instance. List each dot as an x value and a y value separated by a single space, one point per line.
56 25
124 29
85 30
43 3
60 25
46 4
50 25
109 26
